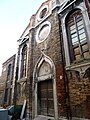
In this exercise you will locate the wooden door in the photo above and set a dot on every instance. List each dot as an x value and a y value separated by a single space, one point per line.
45 98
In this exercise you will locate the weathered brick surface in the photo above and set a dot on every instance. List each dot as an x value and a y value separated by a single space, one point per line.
72 90
79 92
60 91
54 52
7 84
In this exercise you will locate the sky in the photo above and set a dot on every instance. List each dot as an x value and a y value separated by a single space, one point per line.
14 17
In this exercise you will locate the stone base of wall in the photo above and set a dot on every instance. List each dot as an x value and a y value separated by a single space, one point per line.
75 118
40 117
63 118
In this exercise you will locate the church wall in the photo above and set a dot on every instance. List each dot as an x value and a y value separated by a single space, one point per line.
79 92
71 82
78 83
54 52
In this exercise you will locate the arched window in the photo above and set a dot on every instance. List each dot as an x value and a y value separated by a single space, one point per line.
77 38
24 61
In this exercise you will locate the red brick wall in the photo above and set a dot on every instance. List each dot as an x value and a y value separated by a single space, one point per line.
79 92
61 97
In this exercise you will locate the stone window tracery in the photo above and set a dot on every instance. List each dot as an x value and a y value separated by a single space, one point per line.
77 38
24 61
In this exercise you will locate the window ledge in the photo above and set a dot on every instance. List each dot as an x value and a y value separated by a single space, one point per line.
22 80
79 65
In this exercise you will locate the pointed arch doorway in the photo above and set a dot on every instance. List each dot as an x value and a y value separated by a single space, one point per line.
45 89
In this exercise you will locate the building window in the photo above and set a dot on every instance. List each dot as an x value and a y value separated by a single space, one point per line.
9 70
43 32
43 13
24 61
77 39
6 95
10 94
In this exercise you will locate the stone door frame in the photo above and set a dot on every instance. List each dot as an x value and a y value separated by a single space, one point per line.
49 76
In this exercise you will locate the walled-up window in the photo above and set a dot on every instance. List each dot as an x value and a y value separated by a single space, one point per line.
24 61
9 71
77 38
10 94
6 95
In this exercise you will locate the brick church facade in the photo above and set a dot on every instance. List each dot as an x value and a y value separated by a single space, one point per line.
52 65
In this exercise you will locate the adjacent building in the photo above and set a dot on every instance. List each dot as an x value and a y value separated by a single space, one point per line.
2 88
6 82
52 65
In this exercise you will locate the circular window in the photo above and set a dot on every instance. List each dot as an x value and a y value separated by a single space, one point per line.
43 32
43 12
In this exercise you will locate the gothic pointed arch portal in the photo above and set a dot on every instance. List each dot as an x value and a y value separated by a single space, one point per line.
45 88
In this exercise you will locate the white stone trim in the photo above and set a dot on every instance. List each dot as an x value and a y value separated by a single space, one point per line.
65 41
37 34
20 58
53 77
27 58
87 27
14 77
63 5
